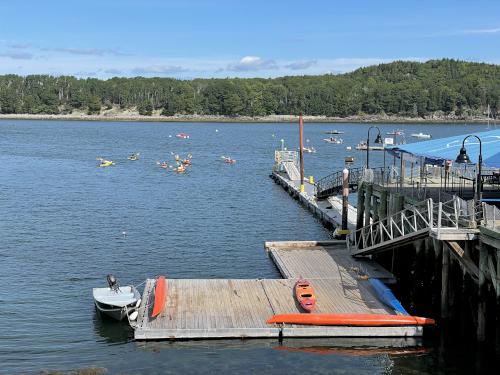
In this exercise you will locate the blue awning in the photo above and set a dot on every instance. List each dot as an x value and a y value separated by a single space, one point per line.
437 151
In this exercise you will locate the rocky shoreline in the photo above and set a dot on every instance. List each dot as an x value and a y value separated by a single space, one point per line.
436 118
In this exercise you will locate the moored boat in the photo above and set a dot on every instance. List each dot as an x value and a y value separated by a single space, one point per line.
421 135
182 136
333 132
117 301
304 293
353 320
334 140
396 132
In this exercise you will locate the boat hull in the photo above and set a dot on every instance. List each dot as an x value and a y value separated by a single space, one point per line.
353 320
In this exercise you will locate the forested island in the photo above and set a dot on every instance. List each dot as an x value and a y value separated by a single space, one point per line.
436 89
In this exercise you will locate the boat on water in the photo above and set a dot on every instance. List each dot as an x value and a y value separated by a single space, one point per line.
363 146
396 132
334 140
105 163
228 160
333 132
117 301
304 293
180 169
421 135
133 157
309 150
182 136
352 320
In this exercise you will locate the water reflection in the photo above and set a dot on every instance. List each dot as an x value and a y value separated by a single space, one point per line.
111 331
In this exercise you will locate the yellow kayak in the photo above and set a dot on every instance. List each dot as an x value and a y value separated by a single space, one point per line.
106 163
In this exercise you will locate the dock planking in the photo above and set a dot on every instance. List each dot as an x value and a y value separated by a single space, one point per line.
239 308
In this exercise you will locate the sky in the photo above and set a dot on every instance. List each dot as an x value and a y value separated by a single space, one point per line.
189 39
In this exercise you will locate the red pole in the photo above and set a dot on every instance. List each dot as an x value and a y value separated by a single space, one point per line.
301 136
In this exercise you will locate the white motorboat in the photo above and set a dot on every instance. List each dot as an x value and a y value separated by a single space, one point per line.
310 150
421 135
362 146
334 132
117 301
396 132
334 140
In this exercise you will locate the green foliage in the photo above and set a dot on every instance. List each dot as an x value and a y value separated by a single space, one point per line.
94 106
145 109
400 88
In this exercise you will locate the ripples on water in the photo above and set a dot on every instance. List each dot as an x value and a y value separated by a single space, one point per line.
66 224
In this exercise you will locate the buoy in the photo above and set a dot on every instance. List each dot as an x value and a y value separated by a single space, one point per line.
133 316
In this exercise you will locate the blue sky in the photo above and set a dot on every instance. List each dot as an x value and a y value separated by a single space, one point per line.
204 38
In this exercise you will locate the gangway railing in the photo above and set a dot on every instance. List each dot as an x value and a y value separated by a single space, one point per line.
333 183
412 223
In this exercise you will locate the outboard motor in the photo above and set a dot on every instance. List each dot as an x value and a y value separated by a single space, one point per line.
113 283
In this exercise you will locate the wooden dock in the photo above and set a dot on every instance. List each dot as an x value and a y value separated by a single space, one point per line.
329 211
239 308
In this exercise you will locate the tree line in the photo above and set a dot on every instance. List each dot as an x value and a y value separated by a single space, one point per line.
410 89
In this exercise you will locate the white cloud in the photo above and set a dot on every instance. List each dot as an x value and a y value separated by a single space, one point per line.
251 63
481 31
86 51
159 69
301 65
17 55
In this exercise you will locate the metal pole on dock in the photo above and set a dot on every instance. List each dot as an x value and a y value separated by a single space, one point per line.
301 136
345 201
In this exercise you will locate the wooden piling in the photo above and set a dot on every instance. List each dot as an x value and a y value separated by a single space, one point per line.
361 206
368 204
482 298
445 272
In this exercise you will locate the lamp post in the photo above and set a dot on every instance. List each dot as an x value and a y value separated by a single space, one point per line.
463 158
377 140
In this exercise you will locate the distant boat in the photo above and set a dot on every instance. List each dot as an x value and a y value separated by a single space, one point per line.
421 135
362 146
228 160
105 163
396 132
310 150
182 136
117 301
334 140
133 157
333 132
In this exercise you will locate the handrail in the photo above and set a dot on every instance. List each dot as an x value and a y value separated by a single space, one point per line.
333 183
410 222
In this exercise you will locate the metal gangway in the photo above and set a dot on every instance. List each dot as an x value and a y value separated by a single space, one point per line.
287 162
332 184
453 220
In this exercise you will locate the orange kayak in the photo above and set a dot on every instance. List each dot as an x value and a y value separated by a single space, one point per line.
304 293
160 296
355 320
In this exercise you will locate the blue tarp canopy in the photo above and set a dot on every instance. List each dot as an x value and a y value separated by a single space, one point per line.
437 151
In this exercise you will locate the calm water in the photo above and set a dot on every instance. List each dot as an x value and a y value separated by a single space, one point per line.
66 223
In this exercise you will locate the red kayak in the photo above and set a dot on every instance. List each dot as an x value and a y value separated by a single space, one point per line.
160 296
304 293
354 320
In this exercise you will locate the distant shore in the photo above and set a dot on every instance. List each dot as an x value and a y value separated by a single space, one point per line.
436 119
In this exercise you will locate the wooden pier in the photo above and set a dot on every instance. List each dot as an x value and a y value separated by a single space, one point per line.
239 308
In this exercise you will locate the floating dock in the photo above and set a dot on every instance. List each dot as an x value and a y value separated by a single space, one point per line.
238 308
329 211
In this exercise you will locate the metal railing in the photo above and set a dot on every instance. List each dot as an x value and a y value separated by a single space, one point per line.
333 183
491 216
281 157
415 221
